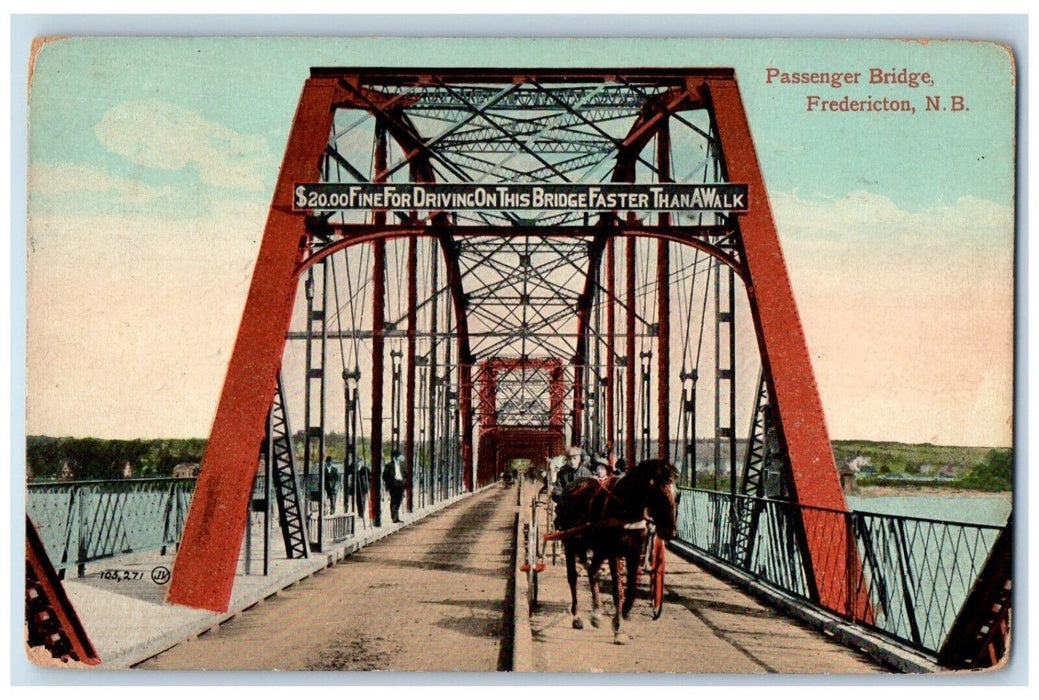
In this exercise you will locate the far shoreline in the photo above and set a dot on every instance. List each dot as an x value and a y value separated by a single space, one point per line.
888 490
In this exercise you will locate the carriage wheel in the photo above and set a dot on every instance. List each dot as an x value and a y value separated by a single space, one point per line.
656 580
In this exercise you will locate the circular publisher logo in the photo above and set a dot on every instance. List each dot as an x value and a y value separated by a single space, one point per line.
160 575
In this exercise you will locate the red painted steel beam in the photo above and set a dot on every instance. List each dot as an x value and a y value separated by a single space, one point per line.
629 349
584 310
428 76
388 110
489 371
418 156
409 398
556 391
378 377
378 341
654 116
611 336
54 603
784 352
358 234
465 358
203 574
663 305
651 119
465 413
677 233
488 395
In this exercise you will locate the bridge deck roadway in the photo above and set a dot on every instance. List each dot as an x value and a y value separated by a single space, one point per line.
707 626
429 597
437 595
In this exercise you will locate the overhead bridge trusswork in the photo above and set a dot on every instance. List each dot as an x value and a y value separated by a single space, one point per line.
501 263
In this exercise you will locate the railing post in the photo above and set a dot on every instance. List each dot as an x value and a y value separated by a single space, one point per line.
171 495
81 549
849 563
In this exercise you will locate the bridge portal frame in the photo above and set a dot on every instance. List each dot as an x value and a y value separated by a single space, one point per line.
204 571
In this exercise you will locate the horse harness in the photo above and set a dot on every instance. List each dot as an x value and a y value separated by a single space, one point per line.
604 522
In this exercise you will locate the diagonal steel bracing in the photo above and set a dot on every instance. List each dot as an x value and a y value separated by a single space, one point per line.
511 286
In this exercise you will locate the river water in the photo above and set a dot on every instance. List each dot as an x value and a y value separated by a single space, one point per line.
977 509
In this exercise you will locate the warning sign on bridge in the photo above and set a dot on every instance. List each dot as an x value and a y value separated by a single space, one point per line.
723 197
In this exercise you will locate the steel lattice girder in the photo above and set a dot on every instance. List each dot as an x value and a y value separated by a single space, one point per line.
625 107
533 373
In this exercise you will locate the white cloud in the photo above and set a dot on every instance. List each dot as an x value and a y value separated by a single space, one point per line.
866 217
65 179
908 315
162 135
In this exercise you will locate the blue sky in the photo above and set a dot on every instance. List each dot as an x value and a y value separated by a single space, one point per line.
152 162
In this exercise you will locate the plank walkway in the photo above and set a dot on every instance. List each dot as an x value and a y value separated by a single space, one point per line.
430 597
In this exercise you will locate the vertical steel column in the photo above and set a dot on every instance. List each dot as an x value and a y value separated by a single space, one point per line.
268 473
203 574
464 393
689 427
351 502
409 409
611 330
593 405
449 442
580 359
724 374
465 410
629 349
431 414
396 389
645 391
663 305
316 321
378 339
308 350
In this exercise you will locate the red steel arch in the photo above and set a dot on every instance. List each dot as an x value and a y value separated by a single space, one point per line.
204 571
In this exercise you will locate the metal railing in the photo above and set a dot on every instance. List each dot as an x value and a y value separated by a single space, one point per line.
84 521
913 574
336 527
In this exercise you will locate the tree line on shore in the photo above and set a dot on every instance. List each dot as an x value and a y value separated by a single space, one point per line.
977 468
97 458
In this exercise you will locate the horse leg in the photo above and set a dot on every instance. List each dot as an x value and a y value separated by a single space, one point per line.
593 581
618 600
631 584
571 578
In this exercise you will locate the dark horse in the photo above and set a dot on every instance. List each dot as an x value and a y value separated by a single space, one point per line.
608 519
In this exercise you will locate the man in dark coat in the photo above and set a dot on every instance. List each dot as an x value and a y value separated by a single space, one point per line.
393 477
570 472
331 484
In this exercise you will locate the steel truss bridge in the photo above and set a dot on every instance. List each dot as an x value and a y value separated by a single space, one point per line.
470 340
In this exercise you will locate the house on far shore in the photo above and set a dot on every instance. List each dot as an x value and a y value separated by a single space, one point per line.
848 474
186 470
862 464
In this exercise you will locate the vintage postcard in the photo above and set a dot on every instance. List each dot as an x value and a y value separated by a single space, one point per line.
527 355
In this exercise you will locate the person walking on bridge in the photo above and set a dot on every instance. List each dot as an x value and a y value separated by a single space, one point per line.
393 477
331 484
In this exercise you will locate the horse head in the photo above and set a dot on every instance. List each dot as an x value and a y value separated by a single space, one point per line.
660 495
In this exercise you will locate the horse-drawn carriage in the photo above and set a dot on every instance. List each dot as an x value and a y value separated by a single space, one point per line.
606 521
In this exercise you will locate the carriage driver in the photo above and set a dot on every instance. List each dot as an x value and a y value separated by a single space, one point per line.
570 472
